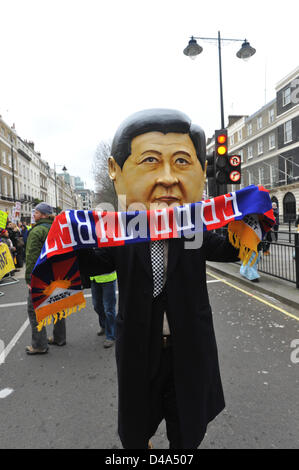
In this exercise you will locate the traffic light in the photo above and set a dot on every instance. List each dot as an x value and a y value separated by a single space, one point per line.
211 174
228 167
221 155
211 165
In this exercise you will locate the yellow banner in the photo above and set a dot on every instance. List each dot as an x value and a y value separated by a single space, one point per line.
3 219
6 261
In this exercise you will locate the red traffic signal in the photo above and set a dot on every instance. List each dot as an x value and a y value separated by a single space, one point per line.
221 142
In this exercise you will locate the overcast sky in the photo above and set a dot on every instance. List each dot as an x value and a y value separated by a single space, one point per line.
72 70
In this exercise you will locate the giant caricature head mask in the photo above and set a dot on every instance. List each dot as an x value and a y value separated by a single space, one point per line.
157 159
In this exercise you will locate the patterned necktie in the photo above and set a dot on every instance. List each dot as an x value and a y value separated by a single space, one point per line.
157 257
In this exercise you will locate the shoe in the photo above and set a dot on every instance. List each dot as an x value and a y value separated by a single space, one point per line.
255 280
266 253
31 350
51 341
101 331
108 343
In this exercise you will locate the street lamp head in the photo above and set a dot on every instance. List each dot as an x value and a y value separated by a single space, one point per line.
193 49
246 51
64 169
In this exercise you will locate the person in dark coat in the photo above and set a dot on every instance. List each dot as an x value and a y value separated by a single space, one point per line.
166 351
276 215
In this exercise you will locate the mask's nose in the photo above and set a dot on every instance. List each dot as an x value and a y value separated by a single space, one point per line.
167 176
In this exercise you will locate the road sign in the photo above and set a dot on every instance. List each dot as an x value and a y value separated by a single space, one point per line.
235 176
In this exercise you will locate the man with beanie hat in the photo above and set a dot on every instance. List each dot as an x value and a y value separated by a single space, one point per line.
44 209
44 217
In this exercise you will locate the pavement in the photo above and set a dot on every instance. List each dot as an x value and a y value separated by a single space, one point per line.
279 289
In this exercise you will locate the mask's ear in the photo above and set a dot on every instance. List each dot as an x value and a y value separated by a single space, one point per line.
112 168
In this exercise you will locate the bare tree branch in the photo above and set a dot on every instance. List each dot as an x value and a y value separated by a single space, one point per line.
104 189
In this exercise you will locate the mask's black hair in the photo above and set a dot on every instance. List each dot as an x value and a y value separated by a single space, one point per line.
156 120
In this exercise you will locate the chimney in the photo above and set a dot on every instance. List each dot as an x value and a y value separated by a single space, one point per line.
233 119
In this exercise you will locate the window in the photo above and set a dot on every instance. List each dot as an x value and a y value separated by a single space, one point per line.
250 179
286 96
271 141
4 157
259 122
260 147
273 174
241 153
5 185
287 130
232 139
289 169
250 151
239 135
271 115
261 175
249 129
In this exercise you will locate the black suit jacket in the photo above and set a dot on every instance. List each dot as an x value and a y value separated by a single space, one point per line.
196 370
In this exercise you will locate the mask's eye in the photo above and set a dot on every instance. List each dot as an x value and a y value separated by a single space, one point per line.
182 161
150 160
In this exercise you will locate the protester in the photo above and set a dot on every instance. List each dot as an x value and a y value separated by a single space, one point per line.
103 289
44 217
276 215
270 237
24 232
166 351
16 237
5 239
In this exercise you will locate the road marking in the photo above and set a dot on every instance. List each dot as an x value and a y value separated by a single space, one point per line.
5 392
215 280
16 304
255 297
13 342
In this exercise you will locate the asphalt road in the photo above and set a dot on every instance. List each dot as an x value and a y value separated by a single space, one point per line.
68 398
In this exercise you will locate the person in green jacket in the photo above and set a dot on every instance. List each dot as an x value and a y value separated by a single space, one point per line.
103 290
44 217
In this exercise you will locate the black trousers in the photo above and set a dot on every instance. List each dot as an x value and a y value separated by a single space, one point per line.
163 400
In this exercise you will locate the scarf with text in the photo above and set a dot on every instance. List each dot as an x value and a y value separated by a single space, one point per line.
55 282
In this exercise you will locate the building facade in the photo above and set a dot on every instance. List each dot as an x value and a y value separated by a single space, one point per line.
9 177
268 143
26 179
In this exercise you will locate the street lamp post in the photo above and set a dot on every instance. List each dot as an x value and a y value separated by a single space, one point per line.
193 50
63 169
12 170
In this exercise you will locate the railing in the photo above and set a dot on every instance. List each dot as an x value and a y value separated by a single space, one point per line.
283 258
